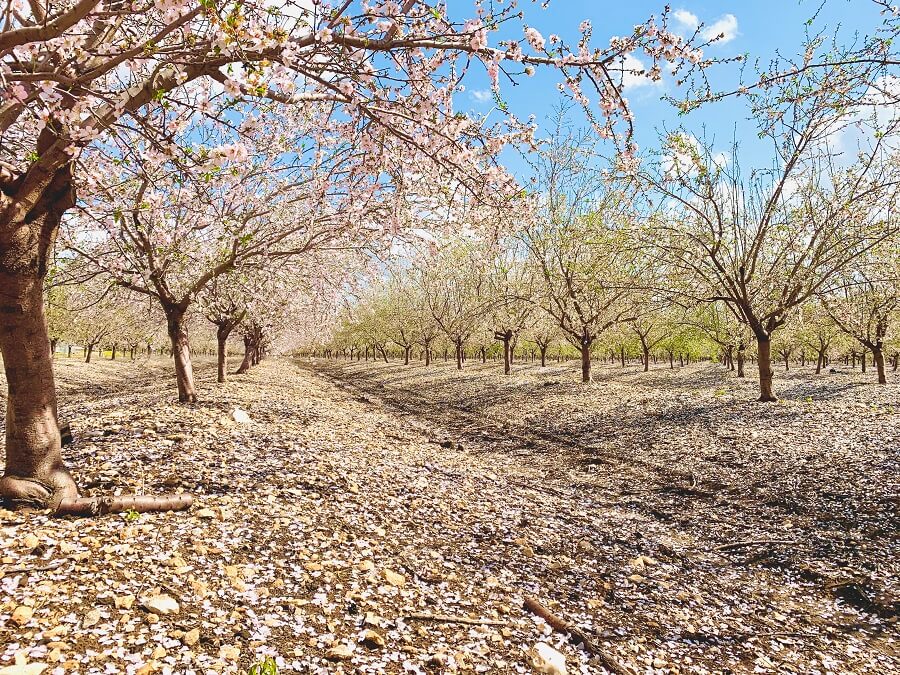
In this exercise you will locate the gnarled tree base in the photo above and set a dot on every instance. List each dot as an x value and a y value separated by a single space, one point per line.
45 492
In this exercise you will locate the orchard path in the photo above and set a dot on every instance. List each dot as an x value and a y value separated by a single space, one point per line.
336 511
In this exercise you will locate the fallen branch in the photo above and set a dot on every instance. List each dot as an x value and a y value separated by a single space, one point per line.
576 636
33 568
94 506
755 542
446 618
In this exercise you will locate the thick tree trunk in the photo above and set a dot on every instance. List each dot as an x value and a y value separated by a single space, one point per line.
820 361
878 357
427 355
181 352
764 363
622 355
406 351
646 351
459 356
88 352
248 355
586 360
33 472
543 350
115 348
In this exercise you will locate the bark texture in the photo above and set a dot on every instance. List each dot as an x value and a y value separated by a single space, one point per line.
34 473
764 363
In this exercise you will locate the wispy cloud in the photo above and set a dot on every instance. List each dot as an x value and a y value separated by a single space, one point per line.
481 95
725 26
633 76
687 19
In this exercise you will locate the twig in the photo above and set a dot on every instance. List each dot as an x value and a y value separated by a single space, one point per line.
33 568
576 635
754 542
446 618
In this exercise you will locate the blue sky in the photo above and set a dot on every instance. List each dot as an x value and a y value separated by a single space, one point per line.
757 28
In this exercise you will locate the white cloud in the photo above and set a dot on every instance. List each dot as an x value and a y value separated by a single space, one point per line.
726 26
481 95
687 19
632 77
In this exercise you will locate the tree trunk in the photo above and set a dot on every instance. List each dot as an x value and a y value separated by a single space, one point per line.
622 354
820 361
406 351
459 356
427 355
181 352
34 472
764 363
506 360
88 352
646 351
248 355
222 353
115 348
878 356
586 359
543 350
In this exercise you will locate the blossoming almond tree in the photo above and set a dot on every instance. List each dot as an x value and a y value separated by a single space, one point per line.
75 72
765 244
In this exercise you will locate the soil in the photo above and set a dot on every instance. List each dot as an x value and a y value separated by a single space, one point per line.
682 526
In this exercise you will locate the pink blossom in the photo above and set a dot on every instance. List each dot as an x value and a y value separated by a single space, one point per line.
535 39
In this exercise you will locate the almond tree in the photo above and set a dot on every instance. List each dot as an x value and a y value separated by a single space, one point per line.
454 287
579 242
80 73
818 332
224 304
398 312
863 302
509 285
765 244
543 331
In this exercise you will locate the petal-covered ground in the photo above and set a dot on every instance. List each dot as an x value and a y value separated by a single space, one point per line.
360 498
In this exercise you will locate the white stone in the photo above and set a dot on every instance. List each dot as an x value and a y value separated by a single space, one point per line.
546 659
160 604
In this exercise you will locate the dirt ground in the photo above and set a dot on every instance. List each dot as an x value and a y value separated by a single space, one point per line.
682 527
